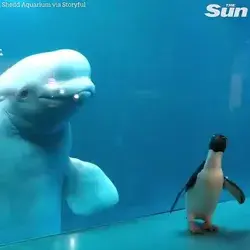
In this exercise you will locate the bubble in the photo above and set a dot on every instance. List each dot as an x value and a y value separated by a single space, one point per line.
62 91
76 96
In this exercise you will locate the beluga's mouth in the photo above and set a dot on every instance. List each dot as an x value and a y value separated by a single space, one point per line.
64 96
64 92
83 94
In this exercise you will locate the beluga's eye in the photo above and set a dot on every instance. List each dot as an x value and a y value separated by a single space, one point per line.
24 93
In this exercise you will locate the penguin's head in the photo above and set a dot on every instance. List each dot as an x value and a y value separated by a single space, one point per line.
218 143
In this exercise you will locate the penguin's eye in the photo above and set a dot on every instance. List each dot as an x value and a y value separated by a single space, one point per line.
24 94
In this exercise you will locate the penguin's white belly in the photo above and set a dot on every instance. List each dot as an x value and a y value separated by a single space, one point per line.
202 199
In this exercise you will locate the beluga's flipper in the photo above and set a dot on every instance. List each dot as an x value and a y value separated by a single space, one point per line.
88 189
234 190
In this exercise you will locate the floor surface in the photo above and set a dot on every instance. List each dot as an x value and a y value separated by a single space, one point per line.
155 232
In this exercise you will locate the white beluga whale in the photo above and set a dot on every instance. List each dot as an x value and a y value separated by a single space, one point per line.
38 96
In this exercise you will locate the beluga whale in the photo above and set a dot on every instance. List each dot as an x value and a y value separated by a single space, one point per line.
38 96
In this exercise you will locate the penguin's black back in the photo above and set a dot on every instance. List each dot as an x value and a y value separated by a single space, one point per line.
190 183
192 180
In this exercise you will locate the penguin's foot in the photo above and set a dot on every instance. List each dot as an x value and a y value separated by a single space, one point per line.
194 228
207 226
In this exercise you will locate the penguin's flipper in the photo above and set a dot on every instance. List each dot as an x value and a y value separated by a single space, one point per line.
191 182
234 190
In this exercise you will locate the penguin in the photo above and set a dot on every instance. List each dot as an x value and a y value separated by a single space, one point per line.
203 189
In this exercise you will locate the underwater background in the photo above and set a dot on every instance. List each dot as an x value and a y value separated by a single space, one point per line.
167 78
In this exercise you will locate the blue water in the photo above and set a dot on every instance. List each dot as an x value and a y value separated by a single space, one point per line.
167 78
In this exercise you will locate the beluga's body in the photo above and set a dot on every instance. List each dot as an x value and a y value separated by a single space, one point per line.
38 96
